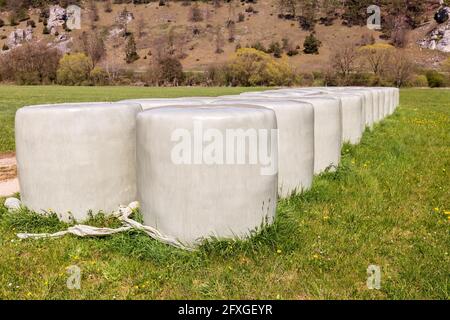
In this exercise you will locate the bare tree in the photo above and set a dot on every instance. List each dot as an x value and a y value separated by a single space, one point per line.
108 6
92 44
219 40
344 60
93 12
376 57
401 68
141 24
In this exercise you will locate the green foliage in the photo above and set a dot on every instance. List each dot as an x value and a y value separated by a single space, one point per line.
311 44
252 67
167 70
98 76
275 49
419 81
74 69
435 79
130 50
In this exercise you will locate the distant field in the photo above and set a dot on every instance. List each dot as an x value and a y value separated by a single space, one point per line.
388 205
14 97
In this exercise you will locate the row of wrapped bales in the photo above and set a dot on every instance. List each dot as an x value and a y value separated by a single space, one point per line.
76 158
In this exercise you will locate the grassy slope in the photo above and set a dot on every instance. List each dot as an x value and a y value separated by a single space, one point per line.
14 97
383 206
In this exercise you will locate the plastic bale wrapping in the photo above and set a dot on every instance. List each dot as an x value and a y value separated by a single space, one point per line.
378 104
327 126
397 97
191 190
369 104
77 158
352 113
296 141
157 103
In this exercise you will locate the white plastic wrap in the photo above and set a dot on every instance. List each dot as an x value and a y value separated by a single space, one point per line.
76 158
162 102
296 141
193 201
327 132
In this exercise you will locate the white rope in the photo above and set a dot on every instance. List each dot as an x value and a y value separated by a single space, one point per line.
123 214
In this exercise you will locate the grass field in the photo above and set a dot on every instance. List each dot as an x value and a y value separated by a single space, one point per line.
386 205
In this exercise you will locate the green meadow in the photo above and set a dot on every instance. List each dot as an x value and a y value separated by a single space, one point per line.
388 204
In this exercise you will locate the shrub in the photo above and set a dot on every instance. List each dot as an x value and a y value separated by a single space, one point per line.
251 67
167 70
130 50
275 49
217 75
74 69
98 76
420 81
292 52
435 79
31 23
193 78
259 46
31 63
311 45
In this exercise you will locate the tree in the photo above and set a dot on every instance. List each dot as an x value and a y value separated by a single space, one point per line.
140 26
92 44
170 71
376 57
311 44
130 50
219 40
108 6
30 63
93 12
401 68
344 61
231 27
74 69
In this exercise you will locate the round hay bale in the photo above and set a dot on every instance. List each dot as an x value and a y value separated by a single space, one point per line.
296 141
188 188
76 158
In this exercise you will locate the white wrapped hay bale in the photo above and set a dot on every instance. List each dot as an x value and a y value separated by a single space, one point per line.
352 113
73 158
378 104
163 102
296 141
397 97
327 132
196 172
327 127
368 102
